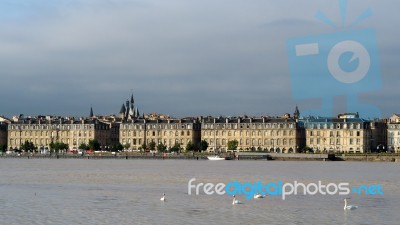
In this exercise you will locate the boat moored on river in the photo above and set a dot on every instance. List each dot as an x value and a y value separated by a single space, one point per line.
215 158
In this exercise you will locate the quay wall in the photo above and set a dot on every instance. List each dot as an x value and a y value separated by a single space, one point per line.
370 157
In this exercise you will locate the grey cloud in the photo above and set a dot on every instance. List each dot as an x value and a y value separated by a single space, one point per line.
179 57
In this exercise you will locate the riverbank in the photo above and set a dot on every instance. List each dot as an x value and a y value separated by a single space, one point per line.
237 156
369 157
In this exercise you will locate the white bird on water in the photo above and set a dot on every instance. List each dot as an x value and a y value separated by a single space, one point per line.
235 201
349 207
163 198
258 195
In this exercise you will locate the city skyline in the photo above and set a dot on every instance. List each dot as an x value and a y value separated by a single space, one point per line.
181 58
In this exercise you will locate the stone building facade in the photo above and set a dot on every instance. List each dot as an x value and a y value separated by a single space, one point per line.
393 133
43 130
3 133
346 133
141 131
253 134
379 132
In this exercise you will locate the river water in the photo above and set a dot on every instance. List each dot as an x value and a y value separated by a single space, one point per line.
112 191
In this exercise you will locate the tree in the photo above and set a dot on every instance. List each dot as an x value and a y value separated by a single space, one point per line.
308 149
176 147
144 146
203 145
127 146
27 146
118 146
58 146
232 145
94 144
3 148
189 146
83 146
152 145
161 147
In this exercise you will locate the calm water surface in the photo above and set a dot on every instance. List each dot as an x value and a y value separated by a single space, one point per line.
81 191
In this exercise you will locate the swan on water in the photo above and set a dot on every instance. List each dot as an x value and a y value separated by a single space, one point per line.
163 198
348 207
235 201
258 195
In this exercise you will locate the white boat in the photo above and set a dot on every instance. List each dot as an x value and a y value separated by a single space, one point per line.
215 157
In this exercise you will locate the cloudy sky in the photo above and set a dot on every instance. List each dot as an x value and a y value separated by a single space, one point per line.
179 57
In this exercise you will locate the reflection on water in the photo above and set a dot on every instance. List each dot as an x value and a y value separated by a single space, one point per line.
50 191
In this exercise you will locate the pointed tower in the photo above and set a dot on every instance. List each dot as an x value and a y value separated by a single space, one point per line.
91 111
131 113
132 108
137 113
296 113
122 112
127 109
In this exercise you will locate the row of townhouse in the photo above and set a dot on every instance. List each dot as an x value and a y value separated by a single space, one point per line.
169 132
344 133
252 134
43 130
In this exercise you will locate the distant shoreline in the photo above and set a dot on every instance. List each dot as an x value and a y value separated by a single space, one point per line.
282 157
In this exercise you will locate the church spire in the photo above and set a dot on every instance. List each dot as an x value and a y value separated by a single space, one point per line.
91 111
296 113
122 111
